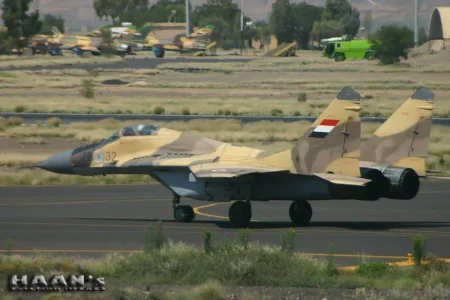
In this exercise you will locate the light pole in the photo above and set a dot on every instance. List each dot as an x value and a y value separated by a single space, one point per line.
242 25
416 21
188 25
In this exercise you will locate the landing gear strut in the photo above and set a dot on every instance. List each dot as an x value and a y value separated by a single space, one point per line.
300 212
240 213
182 213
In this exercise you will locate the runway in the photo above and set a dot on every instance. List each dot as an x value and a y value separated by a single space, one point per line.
92 220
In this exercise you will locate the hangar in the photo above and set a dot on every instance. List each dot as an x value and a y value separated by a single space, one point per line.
439 30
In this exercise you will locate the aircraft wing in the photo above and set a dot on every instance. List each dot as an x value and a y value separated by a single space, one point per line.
230 170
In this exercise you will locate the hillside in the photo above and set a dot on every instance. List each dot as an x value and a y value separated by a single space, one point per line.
80 12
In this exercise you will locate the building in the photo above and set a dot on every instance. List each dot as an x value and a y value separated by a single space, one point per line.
439 31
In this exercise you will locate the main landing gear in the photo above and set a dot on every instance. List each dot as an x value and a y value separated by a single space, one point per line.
182 213
300 212
240 213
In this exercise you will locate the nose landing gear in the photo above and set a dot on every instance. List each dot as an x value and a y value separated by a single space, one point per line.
182 213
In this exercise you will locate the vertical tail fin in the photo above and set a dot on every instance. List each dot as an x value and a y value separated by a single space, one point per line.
332 144
402 140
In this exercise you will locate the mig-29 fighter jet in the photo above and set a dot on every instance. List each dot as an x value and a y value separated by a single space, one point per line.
322 164
394 156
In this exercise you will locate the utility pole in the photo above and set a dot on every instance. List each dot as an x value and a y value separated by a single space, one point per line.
188 25
242 25
416 21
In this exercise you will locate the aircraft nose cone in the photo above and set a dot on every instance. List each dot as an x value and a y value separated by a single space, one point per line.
58 163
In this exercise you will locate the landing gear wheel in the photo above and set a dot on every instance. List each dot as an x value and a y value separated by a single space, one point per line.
240 214
300 212
184 213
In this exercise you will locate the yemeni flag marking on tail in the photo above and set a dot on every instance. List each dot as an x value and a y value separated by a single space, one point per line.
324 128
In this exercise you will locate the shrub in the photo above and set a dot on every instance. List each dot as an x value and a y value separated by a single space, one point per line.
154 240
419 249
373 269
288 240
331 268
53 122
159 110
87 88
391 42
276 112
14 121
243 238
19 108
207 241
302 97
8 246
186 111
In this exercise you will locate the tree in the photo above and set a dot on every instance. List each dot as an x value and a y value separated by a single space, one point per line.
111 10
21 26
305 15
392 42
225 15
157 13
282 21
339 11
49 21
327 29
423 36
367 22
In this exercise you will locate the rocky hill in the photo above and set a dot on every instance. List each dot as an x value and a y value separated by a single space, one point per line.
80 12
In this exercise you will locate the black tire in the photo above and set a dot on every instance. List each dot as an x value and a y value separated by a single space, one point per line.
300 212
184 213
339 57
240 214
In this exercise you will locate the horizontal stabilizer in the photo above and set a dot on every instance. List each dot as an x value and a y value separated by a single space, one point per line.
341 179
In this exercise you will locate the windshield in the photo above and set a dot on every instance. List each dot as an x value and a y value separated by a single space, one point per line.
139 130
111 139
329 50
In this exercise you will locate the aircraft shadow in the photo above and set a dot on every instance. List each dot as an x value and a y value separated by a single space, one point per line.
369 226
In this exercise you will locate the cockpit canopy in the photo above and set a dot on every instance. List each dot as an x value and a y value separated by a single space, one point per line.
134 130
139 130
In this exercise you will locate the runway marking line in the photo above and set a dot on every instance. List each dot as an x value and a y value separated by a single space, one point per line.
83 202
198 212
436 234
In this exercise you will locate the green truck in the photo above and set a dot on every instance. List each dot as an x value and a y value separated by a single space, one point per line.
354 49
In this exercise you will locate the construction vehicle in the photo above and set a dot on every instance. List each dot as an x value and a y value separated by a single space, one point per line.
354 49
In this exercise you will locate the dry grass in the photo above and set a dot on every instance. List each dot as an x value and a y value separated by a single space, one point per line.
312 61
9 159
41 177
38 61
237 93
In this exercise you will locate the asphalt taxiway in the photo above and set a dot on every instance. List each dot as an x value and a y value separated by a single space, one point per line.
97 219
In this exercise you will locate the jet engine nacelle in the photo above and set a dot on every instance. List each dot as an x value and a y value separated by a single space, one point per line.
395 182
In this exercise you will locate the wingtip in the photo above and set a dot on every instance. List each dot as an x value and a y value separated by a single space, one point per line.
423 93
347 93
